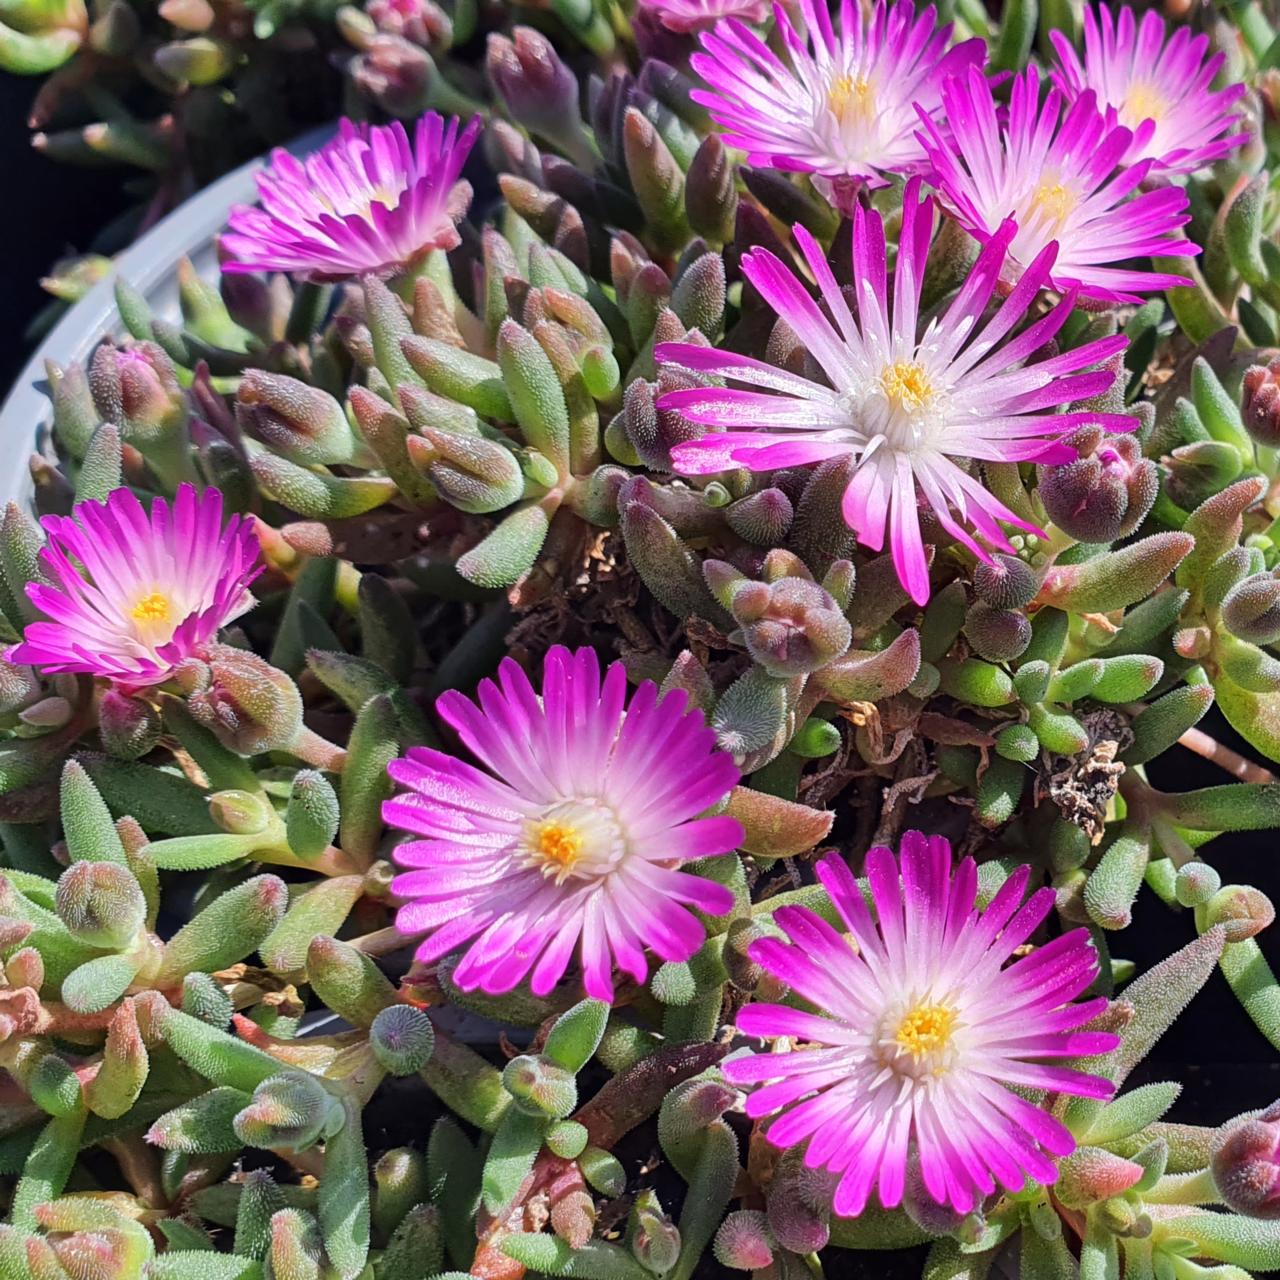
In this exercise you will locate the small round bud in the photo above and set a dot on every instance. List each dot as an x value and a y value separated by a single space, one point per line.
799 1204
1246 1165
136 387
997 635
1105 493
402 1039
1261 408
246 702
129 727
540 1087
101 903
655 1239
1005 583
792 626
1251 609
1195 883
744 1241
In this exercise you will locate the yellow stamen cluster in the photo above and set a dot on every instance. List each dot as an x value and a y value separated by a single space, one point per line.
558 847
1055 200
152 608
1142 102
907 383
850 91
926 1029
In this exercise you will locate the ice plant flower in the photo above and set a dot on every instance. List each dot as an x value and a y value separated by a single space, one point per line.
845 106
1058 171
1160 90
368 201
573 839
911 410
700 15
132 595
924 1033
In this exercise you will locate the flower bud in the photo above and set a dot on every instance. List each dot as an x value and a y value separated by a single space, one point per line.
1005 583
129 727
744 1241
246 702
402 1039
1091 1174
799 1204
101 903
790 626
291 1110
136 387
1243 911
1251 609
1261 408
537 88
1105 493
420 21
305 424
1195 883
997 634
653 432
540 1087
655 1238
395 74
1246 1165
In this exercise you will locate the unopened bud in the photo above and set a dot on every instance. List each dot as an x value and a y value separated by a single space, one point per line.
402 1039
291 1110
129 727
394 73
471 473
101 903
744 1241
136 387
1091 1174
540 1087
305 424
537 88
1241 909
790 626
1246 1165
652 431
997 634
1196 883
799 1204
1261 408
250 705
1251 609
1005 583
1106 493
420 21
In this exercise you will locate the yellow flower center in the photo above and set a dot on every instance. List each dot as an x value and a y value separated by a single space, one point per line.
850 92
908 384
153 607
925 1029
558 847
1054 200
1142 102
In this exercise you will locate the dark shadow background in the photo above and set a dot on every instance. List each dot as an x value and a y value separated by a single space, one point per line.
1225 1064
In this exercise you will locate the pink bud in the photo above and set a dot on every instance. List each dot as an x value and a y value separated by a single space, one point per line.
1246 1165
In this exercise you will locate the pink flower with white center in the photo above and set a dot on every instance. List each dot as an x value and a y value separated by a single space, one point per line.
701 15
1058 171
574 837
1162 91
911 409
369 201
845 106
924 1033
132 595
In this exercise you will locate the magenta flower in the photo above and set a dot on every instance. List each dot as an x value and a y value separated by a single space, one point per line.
700 15
130 596
910 409
1161 91
923 1034
573 839
1059 174
368 201
845 107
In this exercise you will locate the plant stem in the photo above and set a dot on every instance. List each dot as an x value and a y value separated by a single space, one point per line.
1232 761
